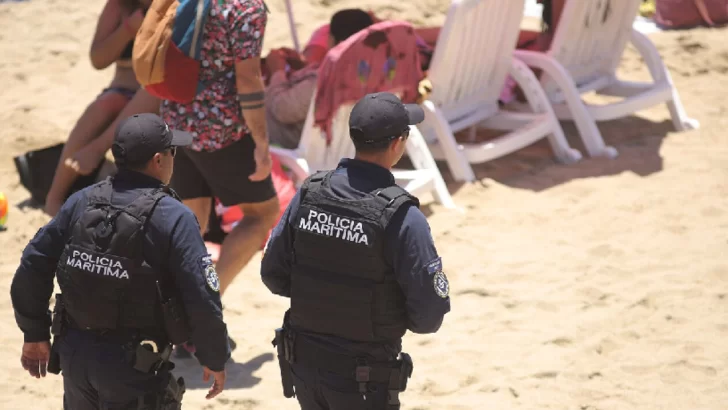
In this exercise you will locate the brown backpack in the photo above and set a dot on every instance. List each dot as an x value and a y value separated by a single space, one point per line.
670 14
166 55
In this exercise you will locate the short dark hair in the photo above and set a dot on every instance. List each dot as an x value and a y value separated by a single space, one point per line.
372 147
134 166
347 22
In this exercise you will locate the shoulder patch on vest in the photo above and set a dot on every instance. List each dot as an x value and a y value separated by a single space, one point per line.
213 282
439 280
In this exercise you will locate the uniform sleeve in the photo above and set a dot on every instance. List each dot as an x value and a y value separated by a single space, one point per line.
418 269
275 269
32 284
198 287
247 28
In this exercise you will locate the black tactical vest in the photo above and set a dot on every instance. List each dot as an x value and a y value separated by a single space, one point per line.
106 283
340 282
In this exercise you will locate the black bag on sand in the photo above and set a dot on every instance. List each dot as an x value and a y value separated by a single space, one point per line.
36 169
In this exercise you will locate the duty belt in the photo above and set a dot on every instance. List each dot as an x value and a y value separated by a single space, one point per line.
392 373
310 355
147 354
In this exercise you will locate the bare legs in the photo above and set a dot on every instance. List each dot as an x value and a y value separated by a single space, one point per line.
245 239
98 115
91 132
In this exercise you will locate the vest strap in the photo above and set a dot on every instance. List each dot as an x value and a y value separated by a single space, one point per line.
315 182
143 206
101 194
396 194
393 197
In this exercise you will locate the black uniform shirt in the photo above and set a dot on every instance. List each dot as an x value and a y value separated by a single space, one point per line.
172 243
410 251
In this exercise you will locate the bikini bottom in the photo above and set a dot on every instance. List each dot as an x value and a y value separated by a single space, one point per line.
126 92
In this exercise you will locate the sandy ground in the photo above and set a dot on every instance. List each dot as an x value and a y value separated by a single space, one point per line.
595 286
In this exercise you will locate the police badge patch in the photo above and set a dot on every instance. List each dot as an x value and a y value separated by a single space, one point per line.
439 280
213 282
442 286
211 277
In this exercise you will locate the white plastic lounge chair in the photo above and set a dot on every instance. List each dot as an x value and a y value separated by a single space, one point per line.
313 154
584 56
472 60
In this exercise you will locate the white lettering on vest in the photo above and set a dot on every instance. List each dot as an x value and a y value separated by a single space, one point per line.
99 265
335 226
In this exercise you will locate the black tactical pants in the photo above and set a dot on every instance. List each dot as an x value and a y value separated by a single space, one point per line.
321 390
98 374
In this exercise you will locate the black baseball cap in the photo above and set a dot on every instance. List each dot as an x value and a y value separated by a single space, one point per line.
141 136
382 117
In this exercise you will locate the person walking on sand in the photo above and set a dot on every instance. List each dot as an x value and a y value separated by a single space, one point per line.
355 255
229 157
135 278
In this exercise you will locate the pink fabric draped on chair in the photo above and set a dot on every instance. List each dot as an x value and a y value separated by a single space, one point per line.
383 57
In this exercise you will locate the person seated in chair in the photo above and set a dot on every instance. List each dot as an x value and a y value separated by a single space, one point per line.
289 92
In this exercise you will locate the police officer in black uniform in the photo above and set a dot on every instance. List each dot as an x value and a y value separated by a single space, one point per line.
354 254
135 278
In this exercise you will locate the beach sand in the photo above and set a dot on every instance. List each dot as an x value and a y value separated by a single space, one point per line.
601 285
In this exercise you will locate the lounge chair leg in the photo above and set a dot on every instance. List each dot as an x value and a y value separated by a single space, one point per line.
585 123
659 72
539 103
456 160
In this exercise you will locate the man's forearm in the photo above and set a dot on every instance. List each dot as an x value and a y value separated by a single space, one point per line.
251 95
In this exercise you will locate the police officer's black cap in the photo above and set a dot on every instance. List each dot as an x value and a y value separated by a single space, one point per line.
141 136
382 117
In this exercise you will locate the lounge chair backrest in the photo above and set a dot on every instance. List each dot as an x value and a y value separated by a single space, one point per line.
473 55
591 38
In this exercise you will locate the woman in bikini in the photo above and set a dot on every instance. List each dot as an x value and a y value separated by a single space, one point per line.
112 43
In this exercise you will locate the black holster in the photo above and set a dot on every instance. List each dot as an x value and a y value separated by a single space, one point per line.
398 379
58 328
175 319
170 397
147 358
284 344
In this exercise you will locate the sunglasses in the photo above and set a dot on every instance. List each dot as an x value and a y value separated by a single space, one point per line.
172 151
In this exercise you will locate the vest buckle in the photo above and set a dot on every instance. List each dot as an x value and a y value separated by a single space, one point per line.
362 372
